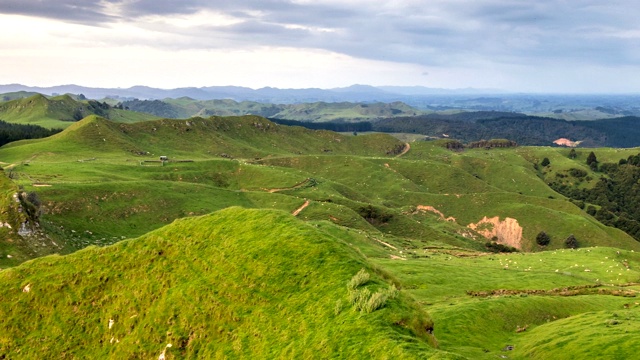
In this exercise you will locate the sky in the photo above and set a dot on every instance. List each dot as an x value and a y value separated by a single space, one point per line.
544 46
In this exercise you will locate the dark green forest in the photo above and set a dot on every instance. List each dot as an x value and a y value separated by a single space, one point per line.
13 132
616 194
330 125
523 129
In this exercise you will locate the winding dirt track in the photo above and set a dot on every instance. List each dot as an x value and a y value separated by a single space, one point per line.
406 149
288 188
298 210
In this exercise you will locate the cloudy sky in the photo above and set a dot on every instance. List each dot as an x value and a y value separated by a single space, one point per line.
515 45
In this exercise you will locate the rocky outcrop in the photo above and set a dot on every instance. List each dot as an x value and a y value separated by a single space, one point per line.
566 142
508 232
435 211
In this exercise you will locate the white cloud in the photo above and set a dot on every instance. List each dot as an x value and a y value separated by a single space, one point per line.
486 43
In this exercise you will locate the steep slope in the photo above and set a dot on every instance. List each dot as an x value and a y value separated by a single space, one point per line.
12 249
237 283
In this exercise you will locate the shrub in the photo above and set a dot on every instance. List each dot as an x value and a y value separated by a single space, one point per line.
545 162
373 215
543 239
577 173
495 247
571 242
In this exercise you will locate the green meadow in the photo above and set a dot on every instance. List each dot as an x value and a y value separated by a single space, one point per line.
242 243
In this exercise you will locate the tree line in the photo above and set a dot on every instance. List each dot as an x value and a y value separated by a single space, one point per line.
616 194
13 132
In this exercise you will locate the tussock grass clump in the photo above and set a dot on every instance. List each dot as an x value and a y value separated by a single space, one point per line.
359 279
379 299
364 300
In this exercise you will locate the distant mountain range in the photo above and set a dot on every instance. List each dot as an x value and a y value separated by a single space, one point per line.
559 106
357 93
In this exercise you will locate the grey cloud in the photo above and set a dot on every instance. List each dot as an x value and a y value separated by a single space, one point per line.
89 12
436 32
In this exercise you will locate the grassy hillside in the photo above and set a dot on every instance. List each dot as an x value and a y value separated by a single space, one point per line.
561 304
249 161
220 282
316 112
60 111
217 286
16 95
12 247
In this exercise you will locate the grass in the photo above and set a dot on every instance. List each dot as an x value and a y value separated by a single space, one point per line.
97 158
58 112
610 334
480 327
213 287
255 277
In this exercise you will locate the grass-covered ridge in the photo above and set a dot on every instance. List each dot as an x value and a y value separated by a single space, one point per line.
101 181
238 283
185 107
61 111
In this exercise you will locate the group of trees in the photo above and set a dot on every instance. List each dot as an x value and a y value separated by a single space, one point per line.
470 127
12 132
617 194
355 127
543 239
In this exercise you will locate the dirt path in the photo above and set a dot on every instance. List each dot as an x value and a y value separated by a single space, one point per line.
385 244
406 149
289 188
298 210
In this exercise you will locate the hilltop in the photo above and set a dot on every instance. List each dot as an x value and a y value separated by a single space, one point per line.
398 117
213 286
312 112
59 111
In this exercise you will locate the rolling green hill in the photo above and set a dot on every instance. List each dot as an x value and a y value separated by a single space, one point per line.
316 111
354 181
217 280
60 111
16 95
213 287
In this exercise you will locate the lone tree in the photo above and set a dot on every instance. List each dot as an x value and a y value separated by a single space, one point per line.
543 239
572 154
545 162
571 242
592 161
